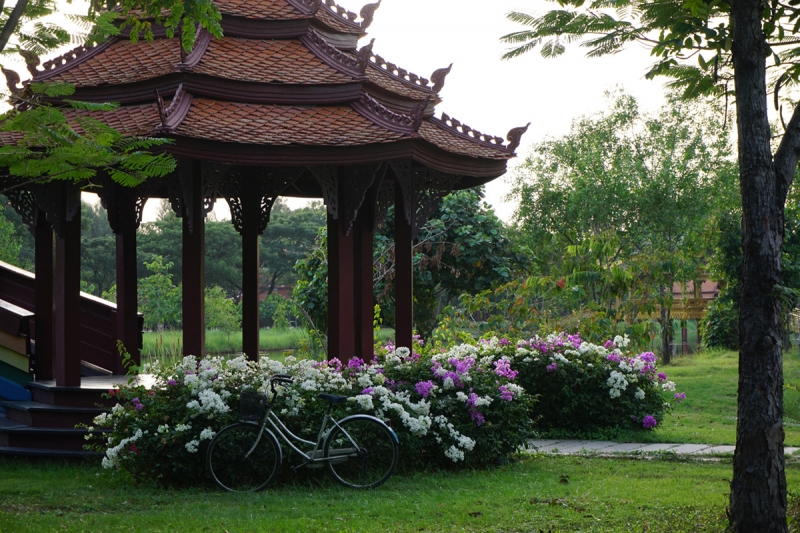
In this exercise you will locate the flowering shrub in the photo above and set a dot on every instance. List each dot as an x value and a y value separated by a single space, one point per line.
456 407
583 386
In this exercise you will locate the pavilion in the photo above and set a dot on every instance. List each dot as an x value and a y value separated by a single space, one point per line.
285 104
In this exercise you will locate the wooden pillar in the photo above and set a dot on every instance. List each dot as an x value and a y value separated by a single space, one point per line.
341 291
364 234
251 216
43 264
66 322
127 284
404 274
193 257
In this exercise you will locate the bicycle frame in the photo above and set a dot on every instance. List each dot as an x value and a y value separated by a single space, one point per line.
279 428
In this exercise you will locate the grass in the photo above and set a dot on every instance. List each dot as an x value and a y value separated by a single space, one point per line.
533 494
168 345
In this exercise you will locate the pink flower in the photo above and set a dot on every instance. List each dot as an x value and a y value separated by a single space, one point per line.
506 394
680 396
552 368
649 422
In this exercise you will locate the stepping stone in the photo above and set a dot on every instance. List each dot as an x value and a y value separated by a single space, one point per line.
719 449
790 450
541 443
691 449
625 447
582 446
559 446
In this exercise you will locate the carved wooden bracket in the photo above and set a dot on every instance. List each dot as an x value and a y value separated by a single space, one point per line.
23 201
58 204
326 177
384 198
271 183
355 182
423 190
110 198
179 188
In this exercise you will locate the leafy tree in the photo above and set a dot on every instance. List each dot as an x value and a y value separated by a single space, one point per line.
619 206
159 298
221 311
703 47
463 247
10 242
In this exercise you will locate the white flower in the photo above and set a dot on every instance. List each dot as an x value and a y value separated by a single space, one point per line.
102 419
448 383
454 454
365 401
192 445
207 433
668 386
403 351
364 380
639 394
162 428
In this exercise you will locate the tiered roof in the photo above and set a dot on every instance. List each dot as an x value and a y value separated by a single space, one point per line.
287 84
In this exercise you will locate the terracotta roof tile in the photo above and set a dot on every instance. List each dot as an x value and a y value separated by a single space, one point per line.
383 79
284 61
260 9
124 62
453 142
336 22
128 120
281 125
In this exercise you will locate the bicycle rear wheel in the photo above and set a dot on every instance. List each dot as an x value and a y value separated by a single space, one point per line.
363 452
231 470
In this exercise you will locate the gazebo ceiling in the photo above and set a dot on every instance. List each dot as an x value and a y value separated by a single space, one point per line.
286 85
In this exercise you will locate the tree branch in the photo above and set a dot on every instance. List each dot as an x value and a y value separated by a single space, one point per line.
11 23
787 155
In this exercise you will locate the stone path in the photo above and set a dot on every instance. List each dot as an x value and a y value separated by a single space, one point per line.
570 447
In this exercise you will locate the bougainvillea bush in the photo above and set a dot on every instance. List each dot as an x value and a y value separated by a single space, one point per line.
456 407
583 387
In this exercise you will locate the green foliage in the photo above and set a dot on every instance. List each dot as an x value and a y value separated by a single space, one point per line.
10 242
159 298
220 311
280 318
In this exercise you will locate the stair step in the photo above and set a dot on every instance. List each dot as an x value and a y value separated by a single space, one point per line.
68 396
39 452
16 435
39 414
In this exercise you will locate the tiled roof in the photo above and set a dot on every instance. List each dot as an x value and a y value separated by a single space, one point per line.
124 62
281 125
336 21
284 61
128 120
260 9
452 142
383 79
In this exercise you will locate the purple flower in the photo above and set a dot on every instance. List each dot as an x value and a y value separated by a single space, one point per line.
424 388
462 365
506 394
172 383
680 396
368 390
504 342
649 422
355 362
634 418
335 364
612 357
662 376
137 404
609 345
648 357
552 368
503 368
477 417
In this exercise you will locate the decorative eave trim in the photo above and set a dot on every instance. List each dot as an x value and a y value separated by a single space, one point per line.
345 16
438 77
173 115
455 127
307 7
201 42
66 61
332 56
376 112
400 74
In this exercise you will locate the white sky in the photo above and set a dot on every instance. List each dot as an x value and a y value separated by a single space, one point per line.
492 95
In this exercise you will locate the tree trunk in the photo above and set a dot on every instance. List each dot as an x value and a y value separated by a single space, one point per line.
666 334
758 488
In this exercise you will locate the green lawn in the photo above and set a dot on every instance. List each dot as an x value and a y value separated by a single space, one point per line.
536 493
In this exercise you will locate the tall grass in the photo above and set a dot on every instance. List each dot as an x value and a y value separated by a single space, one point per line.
167 346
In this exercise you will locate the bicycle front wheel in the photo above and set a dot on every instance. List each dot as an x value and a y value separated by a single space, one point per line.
362 452
231 467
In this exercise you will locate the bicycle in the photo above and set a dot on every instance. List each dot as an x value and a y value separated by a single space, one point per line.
360 451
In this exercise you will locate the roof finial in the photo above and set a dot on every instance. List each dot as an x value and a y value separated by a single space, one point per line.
31 60
367 14
515 136
162 112
363 56
438 77
419 111
12 79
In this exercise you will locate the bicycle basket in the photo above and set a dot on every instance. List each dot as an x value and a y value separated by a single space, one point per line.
252 405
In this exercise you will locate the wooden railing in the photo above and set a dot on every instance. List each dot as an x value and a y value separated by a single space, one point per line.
98 317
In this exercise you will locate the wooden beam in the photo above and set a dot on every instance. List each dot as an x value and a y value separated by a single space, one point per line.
127 284
365 303
251 215
193 258
67 342
44 299
404 274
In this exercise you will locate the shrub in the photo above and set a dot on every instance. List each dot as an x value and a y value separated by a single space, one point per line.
583 386
447 408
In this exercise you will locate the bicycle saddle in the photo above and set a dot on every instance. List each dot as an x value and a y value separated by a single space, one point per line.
333 398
